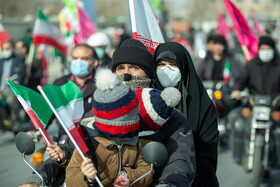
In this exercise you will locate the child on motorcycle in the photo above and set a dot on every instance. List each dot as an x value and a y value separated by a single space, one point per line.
114 147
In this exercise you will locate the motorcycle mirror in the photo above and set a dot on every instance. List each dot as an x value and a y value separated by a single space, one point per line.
155 153
24 143
276 101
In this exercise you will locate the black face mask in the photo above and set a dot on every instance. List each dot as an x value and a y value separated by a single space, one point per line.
134 82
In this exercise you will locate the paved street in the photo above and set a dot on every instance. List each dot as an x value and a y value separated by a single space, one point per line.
13 171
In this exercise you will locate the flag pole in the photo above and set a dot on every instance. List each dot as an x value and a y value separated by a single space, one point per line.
246 52
65 129
133 20
29 63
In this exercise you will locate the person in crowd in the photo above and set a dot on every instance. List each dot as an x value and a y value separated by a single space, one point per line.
83 65
33 78
266 64
115 147
212 67
13 67
261 75
102 45
174 68
134 66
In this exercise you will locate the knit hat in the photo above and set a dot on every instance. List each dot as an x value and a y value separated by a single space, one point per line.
134 52
267 40
156 106
115 106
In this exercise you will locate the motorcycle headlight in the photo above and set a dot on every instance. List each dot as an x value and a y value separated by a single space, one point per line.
276 116
261 113
218 95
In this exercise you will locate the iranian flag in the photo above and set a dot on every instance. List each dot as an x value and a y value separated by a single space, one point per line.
46 33
227 73
4 36
145 27
35 106
67 103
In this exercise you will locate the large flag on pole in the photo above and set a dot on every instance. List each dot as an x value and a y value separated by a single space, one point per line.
67 103
4 35
35 106
247 38
223 28
86 26
144 24
46 33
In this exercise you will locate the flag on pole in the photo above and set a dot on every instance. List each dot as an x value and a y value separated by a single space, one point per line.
35 106
4 35
86 26
258 26
144 24
68 103
247 38
46 33
227 75
223 28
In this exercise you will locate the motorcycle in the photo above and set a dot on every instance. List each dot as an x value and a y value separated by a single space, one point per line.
258 150
219 93
154 153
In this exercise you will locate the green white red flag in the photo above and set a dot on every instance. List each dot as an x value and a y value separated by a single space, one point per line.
35 106
67 103
46 33
227 75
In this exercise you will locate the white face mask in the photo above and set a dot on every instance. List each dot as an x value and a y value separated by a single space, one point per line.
168 76
6 53
266 55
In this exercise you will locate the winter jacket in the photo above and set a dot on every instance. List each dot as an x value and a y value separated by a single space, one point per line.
87 93
260 78
109 159
205 69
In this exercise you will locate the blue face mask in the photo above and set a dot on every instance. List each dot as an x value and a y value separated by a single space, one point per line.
99 52
79 68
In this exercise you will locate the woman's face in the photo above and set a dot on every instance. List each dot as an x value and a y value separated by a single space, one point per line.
163 63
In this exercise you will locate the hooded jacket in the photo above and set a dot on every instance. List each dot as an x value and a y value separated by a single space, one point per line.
200 112
109 158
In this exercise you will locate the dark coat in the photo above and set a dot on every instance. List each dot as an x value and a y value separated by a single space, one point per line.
200 112
18 67
205 69
88 93
260 78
